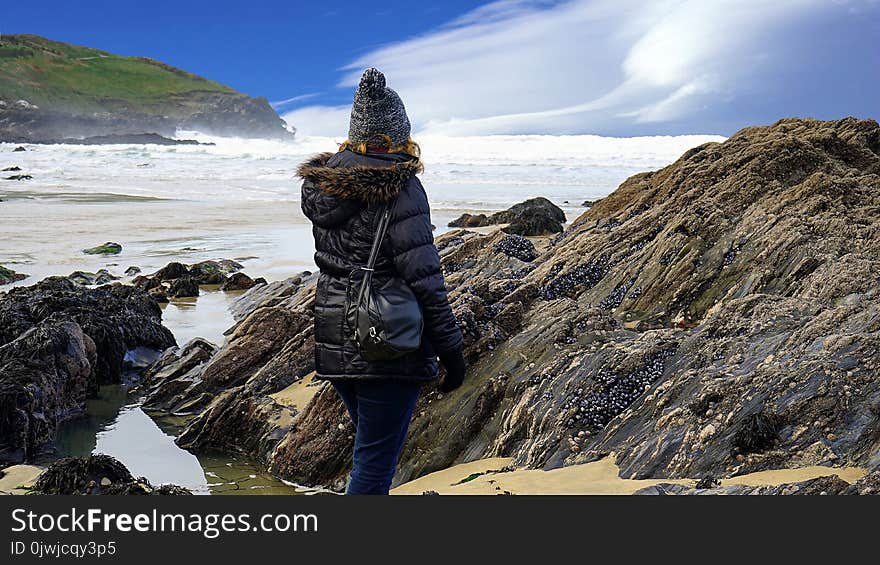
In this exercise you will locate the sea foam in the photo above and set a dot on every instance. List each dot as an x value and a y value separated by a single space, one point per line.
460 172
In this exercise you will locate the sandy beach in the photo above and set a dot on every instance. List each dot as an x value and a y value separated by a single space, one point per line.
492 477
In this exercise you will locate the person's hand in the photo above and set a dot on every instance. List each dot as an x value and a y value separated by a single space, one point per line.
455 369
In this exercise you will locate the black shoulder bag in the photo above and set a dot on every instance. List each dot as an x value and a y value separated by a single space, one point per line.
386 318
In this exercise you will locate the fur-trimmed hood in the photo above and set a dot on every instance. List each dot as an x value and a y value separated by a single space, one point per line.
372 184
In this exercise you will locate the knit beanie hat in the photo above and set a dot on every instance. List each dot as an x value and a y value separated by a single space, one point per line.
377 110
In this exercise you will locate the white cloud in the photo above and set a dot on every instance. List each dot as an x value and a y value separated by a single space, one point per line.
288 101
320 120
600 66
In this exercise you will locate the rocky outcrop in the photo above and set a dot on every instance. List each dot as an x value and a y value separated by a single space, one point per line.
58 343
821 486
109 248
183 281
703 319
117 318
537 216
717 317
171 383
97 474
267 350
127 139
45 375
832 485
8 276
238 281
85 278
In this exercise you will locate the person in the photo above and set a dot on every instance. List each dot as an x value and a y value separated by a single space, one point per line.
342 195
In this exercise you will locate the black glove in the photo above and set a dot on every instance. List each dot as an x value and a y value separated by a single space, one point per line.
455 368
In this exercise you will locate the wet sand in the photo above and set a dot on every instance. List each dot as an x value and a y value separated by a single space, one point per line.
299 393
596 478
17 478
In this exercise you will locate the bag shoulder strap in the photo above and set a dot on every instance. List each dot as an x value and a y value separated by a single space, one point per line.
381 229
384 217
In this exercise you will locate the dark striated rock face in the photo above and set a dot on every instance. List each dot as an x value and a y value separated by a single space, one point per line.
537 216
97 474
173 382
317 448
717 317
714 317
820 486
270 348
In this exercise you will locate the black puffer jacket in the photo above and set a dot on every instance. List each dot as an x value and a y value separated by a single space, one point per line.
341 195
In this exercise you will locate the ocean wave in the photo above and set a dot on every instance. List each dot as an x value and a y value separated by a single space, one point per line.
248 169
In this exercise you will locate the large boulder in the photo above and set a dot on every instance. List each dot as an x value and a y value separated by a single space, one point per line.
109 248
8 276
58 343
97 474
184 287
117 318
238 281
45 375
536 216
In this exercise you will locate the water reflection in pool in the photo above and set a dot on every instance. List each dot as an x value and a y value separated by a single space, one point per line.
116 425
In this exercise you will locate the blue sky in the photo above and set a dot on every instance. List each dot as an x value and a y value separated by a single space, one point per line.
611 67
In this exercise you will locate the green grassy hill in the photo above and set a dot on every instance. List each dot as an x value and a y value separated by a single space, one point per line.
80 81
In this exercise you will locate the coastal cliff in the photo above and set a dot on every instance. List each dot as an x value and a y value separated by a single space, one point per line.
50 91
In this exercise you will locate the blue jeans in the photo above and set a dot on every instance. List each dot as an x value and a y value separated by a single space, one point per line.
381 411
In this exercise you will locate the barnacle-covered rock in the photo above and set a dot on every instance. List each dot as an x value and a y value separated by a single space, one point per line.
716 317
